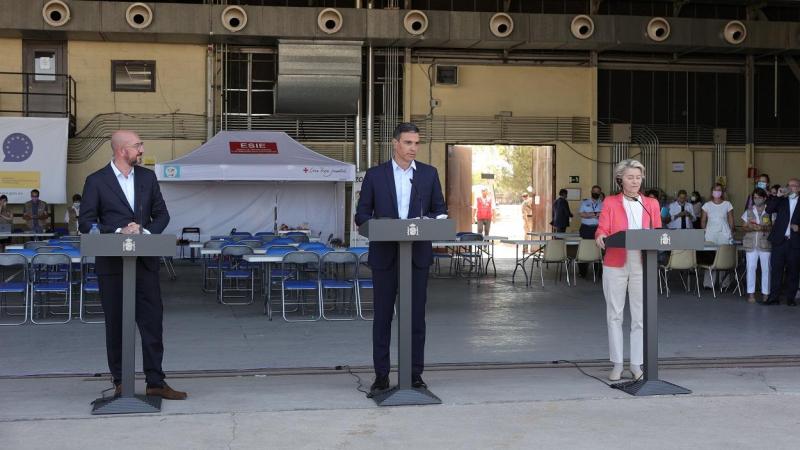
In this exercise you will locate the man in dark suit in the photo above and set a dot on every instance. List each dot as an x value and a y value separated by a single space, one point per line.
399 189
561 212
124 198
785 239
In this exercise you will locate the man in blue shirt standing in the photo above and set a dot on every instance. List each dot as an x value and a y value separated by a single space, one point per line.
589 212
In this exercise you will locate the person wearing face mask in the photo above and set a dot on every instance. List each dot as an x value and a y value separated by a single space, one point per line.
757 223
697 209
35 213
785 241
6 220
717 220
762 182
72 214
589 211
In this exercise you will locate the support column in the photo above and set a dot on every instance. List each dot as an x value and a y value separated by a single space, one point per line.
621 139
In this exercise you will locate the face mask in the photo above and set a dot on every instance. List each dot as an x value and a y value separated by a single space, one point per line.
694 199
716 194
595 195
761 185
793 195
758 201
76 204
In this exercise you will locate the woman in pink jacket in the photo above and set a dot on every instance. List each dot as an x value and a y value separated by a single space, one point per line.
622 269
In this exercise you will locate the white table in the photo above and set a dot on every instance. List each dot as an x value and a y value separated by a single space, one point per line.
520 261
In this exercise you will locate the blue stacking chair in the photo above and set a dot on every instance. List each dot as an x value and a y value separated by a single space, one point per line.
338 271
89 292
281 241
302 282
51 274
363 282
275 276
235 271
13 287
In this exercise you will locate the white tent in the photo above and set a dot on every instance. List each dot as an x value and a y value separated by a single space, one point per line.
251 181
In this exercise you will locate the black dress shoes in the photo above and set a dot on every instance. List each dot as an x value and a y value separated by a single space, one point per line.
791 302
381 384
417 383
771 301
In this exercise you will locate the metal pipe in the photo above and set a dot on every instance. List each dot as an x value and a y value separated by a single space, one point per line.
775 95
357 148
370 103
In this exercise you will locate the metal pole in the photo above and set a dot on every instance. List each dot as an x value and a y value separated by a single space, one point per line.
370 104
357 151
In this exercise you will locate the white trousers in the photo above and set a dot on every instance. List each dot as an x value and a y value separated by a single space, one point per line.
753 257
617 282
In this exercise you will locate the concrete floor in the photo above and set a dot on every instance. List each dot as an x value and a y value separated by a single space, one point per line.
496 322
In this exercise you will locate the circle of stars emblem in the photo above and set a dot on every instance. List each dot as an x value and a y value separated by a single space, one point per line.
17 147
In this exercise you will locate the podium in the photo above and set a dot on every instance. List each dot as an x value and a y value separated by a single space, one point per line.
651 242
405 232
129 247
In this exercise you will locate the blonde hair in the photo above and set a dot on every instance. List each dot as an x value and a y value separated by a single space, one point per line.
627 164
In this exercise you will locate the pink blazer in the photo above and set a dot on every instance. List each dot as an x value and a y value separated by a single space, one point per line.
614 219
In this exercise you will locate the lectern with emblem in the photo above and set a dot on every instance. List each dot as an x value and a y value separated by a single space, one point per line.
650 242
128 247
405 232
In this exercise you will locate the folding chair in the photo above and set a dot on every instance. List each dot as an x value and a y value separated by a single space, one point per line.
725 260
211 265
33 245
13 287
303 282
364 281
338 271
298 238
681 260
555 251
89 296
188 235
588 253
51 274
468 256
234 270
273 277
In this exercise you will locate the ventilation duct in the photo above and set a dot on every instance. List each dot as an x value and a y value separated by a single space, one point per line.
658 29
582 27
734 32
139 16
318 77
329 21
234 18
501 25
56 13
415 22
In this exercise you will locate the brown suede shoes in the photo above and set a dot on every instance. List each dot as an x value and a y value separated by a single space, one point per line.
166 392
117 390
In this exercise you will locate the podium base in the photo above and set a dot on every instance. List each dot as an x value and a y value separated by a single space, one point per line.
127 405
642 387
402 397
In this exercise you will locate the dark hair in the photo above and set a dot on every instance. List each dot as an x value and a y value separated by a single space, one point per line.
598 187
717 185
653 192
759 192
404 127
562 192
775 186
36 191
763 175
3 197
681 192
76 198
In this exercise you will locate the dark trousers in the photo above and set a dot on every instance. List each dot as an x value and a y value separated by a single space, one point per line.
385 293
559 229
586 232
783 257
149 318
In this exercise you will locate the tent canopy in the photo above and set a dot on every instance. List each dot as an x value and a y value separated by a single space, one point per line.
254 181
254 156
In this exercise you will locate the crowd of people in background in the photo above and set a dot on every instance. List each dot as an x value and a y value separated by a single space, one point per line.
770 234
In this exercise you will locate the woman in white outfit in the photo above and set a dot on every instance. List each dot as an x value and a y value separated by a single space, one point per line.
717 220
622 269
756 243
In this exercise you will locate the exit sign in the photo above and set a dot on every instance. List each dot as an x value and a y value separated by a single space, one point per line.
574 179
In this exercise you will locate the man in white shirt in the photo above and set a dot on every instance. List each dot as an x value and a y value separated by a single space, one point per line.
681 213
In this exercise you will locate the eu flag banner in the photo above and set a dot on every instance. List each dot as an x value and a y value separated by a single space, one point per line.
34 157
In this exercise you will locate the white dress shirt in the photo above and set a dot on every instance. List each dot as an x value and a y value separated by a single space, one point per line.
792 206
402 187
675 209
129 189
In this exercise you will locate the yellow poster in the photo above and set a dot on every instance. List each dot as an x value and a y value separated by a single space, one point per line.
20 180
